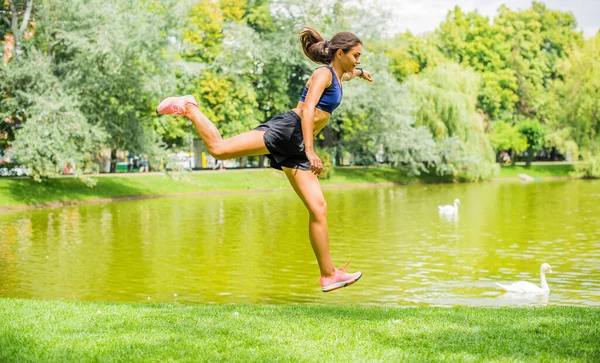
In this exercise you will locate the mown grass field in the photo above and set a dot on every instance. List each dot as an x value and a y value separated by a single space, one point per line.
41 331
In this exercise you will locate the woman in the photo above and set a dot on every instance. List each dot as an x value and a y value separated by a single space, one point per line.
287 139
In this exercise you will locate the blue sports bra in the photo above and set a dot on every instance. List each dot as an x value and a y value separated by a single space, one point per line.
331 97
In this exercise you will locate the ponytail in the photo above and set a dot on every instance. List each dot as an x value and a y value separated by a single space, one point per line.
322 51
314 46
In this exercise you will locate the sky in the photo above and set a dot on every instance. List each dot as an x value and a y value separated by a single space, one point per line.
421 16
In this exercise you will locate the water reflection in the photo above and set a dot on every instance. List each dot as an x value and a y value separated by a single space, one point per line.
254 248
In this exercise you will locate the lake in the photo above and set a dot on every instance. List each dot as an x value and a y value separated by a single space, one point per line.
254 248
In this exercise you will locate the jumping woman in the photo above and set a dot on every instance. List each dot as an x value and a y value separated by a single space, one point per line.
287 139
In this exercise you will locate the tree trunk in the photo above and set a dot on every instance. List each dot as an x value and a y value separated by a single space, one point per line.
113 160
529 157
17 30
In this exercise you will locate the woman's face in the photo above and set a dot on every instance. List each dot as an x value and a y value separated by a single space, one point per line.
351 59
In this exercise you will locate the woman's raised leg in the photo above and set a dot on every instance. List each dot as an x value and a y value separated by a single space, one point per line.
247 144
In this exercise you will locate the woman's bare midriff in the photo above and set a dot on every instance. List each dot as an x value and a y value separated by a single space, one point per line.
321 118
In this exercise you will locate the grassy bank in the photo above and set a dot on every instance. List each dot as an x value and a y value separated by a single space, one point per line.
19 192
68 331
537 171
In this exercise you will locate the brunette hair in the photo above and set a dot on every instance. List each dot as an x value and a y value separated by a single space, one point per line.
322 51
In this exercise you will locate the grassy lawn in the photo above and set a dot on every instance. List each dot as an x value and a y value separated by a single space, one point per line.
78 331
28 192
16 192
537 171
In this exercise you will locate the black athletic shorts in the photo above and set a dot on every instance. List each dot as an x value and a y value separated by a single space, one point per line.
283 137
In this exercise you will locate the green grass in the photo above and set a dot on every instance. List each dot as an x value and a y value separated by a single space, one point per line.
537 171
28 192
16 192
78 331
19 192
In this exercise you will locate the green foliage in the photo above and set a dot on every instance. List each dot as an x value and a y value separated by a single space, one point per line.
381 113
533 132
518 54
460 161
250 79
445 98
55 135
47 127
506 137
590 168
409 54
497 95
203 34
563 142
227 101
109 55
578 96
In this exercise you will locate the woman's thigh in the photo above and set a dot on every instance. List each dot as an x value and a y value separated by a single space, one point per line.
247 144
307 186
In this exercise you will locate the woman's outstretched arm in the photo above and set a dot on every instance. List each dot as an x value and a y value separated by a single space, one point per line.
358 72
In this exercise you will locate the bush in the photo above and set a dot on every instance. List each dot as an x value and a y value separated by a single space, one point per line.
591 168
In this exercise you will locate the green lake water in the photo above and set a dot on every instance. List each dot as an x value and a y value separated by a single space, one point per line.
254 248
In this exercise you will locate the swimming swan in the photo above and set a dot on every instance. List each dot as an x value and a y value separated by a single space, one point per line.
449 209
525 287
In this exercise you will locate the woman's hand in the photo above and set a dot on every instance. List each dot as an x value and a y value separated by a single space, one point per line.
316 165
366 75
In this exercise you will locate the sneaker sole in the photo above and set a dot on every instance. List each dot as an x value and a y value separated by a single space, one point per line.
339 285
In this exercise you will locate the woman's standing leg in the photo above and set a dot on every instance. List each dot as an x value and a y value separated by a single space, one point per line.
308 188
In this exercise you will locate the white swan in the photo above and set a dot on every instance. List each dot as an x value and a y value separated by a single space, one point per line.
449 209
525 287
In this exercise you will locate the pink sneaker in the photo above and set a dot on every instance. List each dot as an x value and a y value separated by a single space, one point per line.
175 105
339 279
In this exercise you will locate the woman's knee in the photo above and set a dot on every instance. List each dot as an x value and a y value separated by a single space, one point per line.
218 150
318 209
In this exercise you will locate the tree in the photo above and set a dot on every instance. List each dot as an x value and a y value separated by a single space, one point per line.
506 137
48 129
578 97
518 55
445 101
381 113
110 56
409 54
533 132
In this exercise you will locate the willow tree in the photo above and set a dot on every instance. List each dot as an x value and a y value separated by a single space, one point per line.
381 113
445 100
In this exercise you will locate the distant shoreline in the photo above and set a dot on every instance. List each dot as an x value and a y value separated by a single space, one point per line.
146 190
